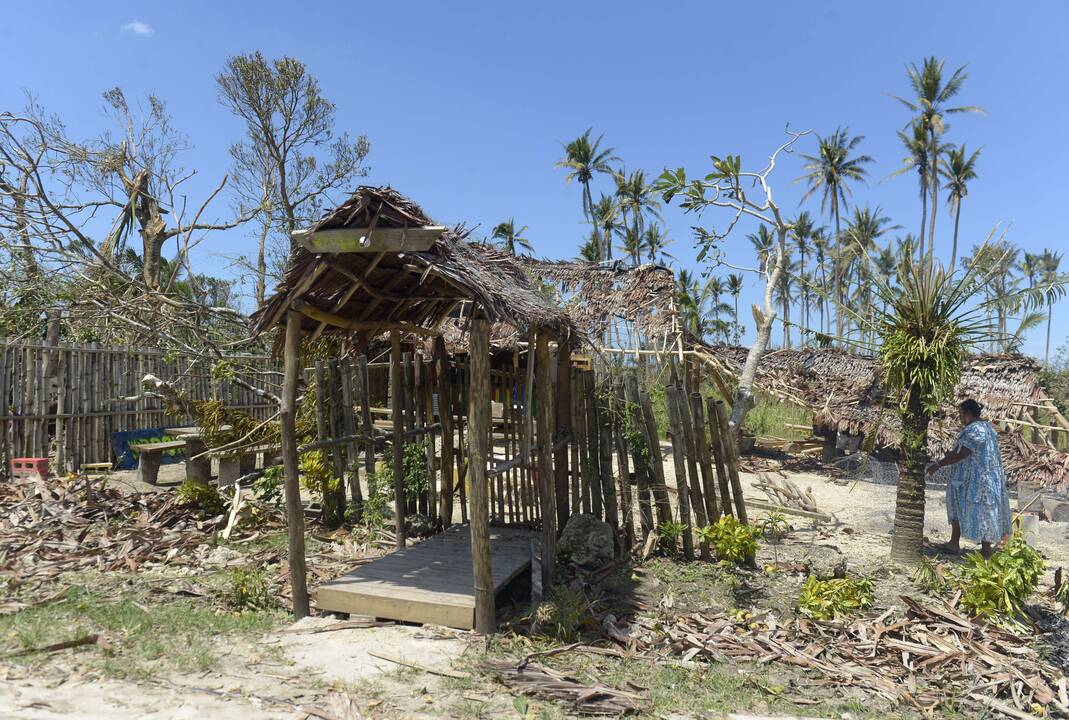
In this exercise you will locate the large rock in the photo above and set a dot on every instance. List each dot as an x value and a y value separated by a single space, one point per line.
824 562
586 542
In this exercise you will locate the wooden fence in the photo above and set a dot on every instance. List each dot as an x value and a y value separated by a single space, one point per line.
65 400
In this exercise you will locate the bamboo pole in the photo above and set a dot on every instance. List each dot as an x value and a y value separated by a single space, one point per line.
564 427
545 458
701 447
731 460
641 460
445 417
716 434
593 438
608 480
396 407
679 462
653 439
478 432
288 432
626 512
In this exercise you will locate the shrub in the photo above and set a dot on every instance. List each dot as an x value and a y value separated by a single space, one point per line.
730 539
998 587
835 598
202 496
670 533
563 614
249 590
931 577
268 487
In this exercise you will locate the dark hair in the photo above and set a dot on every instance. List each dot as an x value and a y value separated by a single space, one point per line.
971 407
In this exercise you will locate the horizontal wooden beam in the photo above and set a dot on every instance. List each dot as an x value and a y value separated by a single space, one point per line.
323 316
364 240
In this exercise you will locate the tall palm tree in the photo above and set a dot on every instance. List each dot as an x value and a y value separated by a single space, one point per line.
636 198
715 288
632 245
831 171
1049 276
606 217
917 158
509 238
866 227
958 168
762 242
1031 265
820 255
802 235
691 302
591 249
930 98
785 292
582 159
655 240
735 284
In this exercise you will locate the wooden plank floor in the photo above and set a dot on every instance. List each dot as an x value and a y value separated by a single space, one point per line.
431 582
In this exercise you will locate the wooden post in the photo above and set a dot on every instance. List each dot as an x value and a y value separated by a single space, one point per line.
697 497
546 494
333 505
345 379
363 390
564 427
641 460
593 438
653 440
288 432
608 481
626 513
478 433
731 460
701 446
679 461
445 417
397 396
716 435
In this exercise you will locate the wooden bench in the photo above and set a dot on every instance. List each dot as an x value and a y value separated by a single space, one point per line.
150 455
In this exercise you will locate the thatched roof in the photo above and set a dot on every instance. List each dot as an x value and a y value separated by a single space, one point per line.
419 289
843 391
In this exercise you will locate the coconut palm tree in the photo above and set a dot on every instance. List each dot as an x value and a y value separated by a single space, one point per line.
1031 265
785 292
735 284
1052 292
860 239
584 158
591 249
802 235
714 291
691 303
606 216
831 171
636 198
632 245
820 255
930 98
509 238
655 240
917 158
958 168
762 242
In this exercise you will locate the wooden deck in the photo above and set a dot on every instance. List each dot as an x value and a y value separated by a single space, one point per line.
427 583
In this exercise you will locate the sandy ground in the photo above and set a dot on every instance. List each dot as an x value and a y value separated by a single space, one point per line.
334 672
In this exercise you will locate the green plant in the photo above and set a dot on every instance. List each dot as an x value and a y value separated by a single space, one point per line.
1061 594
931 577
249 590
670 533
563 614
730 539
268 487
774 528
997 587
202 496
835 598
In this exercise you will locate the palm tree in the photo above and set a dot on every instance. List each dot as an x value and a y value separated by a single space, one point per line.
636 198
801 234
510 238
762 242
1049 276
691 303
1032 266
714 290
866 227
591 249
785 293
917 158
735 284
582 159
820 254
632 245
655 240
958 169
831 171
606 216
931 95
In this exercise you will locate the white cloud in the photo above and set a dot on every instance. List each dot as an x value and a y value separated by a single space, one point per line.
138 28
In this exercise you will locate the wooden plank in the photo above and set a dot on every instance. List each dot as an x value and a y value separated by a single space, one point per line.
363 240
396 405
430 582
546 493
288 432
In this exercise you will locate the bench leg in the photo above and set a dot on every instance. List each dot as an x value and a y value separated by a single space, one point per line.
229 471
148 467
200 469
247 463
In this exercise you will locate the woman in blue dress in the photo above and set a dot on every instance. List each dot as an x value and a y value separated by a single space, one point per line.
978 504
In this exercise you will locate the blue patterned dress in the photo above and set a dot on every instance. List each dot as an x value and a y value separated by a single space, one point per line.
976 493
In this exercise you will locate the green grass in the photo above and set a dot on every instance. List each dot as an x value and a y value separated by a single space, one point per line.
145 637
770 419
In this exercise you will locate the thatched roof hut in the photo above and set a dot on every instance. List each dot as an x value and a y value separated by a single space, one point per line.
411 275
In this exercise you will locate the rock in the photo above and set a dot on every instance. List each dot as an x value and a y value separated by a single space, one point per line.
222 557
824 562
1058 512
586 542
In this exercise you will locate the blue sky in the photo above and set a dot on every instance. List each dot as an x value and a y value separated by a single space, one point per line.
466 104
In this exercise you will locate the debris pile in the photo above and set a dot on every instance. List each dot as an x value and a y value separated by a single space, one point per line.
923 658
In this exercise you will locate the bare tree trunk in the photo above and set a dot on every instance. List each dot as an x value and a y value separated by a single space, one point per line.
765 318
954 247
933 160
261 262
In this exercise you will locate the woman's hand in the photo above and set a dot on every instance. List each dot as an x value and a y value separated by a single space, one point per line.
931 468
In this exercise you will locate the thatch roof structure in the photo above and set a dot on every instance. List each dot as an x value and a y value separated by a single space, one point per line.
843 391
410 288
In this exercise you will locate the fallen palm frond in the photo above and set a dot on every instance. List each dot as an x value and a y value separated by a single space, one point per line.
586 697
